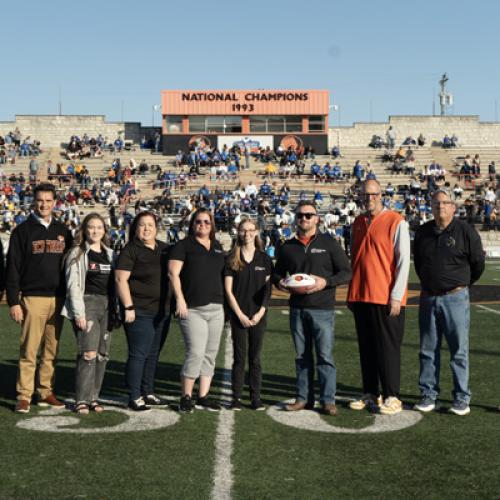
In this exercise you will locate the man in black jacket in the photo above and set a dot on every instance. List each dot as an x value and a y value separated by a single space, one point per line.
35 290
312 313
2 270
449 257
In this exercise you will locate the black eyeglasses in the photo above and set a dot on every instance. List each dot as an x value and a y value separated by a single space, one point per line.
200 222
305 215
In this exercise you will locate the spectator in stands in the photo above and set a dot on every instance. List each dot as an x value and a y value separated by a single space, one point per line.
421 140
390 138
336 152
492 170
389 190
315 171
409 141
457 191
371 175
35 287
358 171
376 142
446 142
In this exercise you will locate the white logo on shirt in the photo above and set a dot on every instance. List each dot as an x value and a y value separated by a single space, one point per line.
318 250
258 268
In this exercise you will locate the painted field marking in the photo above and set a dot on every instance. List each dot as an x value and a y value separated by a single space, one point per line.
54 420
311 420
484 308
223 468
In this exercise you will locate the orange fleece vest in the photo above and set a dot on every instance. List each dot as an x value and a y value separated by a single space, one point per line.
372 258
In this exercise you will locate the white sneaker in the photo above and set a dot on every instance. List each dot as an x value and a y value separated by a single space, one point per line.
426 405
391 406
366 401
460 408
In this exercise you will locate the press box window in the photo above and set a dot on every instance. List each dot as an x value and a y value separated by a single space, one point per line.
316 124
232 124
258 124
174 124
293 123
197 123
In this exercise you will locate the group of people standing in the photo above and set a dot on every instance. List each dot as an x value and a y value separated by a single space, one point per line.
50 276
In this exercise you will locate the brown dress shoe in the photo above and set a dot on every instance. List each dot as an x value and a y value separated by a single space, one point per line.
329 409
51 401
22 406
298 405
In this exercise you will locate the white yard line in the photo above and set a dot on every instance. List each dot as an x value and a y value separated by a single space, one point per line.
223 469
484 308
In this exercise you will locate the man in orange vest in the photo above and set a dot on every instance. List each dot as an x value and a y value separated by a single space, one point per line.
380 250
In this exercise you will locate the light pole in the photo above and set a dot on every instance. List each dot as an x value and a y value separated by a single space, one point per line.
154 108
335 107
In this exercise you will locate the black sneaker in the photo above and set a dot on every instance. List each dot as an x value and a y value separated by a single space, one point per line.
236 405
153 400
186 405
207 404
138 405
257 405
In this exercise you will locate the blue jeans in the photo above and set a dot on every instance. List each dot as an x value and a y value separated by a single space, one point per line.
145 339
447 315
314 327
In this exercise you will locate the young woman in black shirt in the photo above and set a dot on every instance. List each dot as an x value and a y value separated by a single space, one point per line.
196 271
248 290
142 285
89 282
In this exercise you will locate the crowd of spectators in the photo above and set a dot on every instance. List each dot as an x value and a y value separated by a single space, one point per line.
13 146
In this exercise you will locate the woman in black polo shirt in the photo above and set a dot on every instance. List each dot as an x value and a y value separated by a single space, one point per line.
142 286
248 291
196 270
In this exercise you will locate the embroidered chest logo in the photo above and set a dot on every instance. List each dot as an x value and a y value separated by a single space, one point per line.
318 250
48 246
450 242
259 268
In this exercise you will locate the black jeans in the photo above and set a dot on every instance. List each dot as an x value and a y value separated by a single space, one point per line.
145 339
379 337
255 337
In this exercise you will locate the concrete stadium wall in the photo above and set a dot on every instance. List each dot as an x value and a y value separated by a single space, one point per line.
54 130
469 130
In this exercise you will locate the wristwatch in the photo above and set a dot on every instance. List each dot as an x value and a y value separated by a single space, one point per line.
130 308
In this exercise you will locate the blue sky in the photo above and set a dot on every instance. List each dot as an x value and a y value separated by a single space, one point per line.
113 57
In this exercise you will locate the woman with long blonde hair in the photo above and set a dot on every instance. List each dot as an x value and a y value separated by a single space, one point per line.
248 290
89 281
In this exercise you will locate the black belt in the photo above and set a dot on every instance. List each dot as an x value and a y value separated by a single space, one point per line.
447 292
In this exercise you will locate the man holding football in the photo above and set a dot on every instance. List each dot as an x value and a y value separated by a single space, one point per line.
325 265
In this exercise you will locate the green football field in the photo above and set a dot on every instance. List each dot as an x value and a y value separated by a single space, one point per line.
249 454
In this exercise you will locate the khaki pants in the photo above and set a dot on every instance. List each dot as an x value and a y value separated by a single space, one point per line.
41 330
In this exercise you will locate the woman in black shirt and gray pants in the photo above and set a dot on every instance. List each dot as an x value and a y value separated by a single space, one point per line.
248 290
196 271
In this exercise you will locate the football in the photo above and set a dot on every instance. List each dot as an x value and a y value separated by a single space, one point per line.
299 283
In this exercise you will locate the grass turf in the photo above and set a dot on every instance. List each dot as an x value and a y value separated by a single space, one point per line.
442 456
